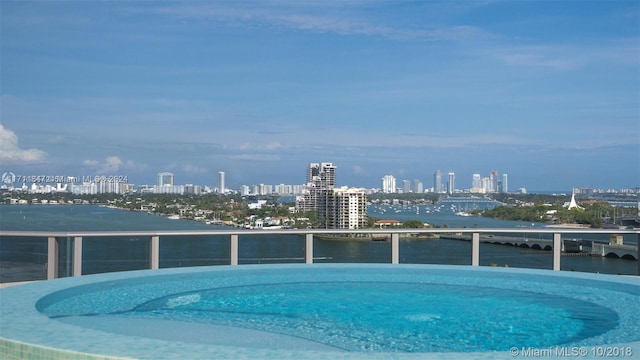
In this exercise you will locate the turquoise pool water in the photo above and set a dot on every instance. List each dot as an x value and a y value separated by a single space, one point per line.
299 310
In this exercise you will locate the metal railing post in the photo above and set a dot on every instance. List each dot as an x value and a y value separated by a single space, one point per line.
77 256
234 249
557 250
395 248
53 249
308 257
475 249
154 253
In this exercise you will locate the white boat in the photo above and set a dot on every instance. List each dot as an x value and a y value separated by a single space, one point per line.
174 217
462 213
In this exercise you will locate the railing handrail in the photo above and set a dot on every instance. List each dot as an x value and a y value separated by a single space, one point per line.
240 231
234 234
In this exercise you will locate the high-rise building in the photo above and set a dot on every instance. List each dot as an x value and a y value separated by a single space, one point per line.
321 175
417 186
343 208
493 180
336 208
451 186
221 178
486 185
165 178
388 184
476 184
406 186
437 182
505 183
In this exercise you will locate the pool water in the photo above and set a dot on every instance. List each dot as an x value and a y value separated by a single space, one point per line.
391 317
363 308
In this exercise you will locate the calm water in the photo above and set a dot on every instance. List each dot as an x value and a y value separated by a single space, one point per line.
25 258
362 309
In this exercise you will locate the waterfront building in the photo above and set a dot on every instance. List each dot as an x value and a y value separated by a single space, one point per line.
406 186
265 189
321 175
493 181
486 185
169 189
437 182
417 186
476 184
192 189
87 188
221 181
451 186
336 208
505 183
388 184
283 189
343 208
165 178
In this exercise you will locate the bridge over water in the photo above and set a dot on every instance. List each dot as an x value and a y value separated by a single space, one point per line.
568 245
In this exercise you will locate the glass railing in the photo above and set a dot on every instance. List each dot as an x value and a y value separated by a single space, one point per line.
28 255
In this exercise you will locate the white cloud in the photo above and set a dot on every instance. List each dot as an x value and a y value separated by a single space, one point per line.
10 152
357 169
319 19
255 157
188 168
111 165
274 145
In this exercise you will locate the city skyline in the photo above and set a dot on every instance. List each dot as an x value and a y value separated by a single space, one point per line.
546 91
318 175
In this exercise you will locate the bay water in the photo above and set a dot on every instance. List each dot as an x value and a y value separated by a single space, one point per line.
24 258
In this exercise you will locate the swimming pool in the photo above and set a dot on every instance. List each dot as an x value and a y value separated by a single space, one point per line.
326 310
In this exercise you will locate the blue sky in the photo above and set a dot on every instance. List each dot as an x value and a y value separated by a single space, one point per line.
546 91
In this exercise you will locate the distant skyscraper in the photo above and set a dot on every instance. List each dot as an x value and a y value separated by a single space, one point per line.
486 185
417 186
221 176
451 186
477 181
343 208
406 186
476 184
505 183
437 182
336 208
388 184
165 178
322 175
493 180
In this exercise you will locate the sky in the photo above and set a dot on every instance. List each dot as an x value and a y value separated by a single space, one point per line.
545 91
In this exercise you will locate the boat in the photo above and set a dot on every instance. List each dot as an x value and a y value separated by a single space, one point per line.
174 217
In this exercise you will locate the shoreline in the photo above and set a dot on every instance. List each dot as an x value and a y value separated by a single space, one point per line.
569 226
377 238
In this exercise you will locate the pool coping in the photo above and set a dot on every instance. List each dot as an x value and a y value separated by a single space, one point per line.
27 333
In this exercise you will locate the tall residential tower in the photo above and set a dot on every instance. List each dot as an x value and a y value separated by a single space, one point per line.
221 178
165 178
451 184
336 208
437 182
